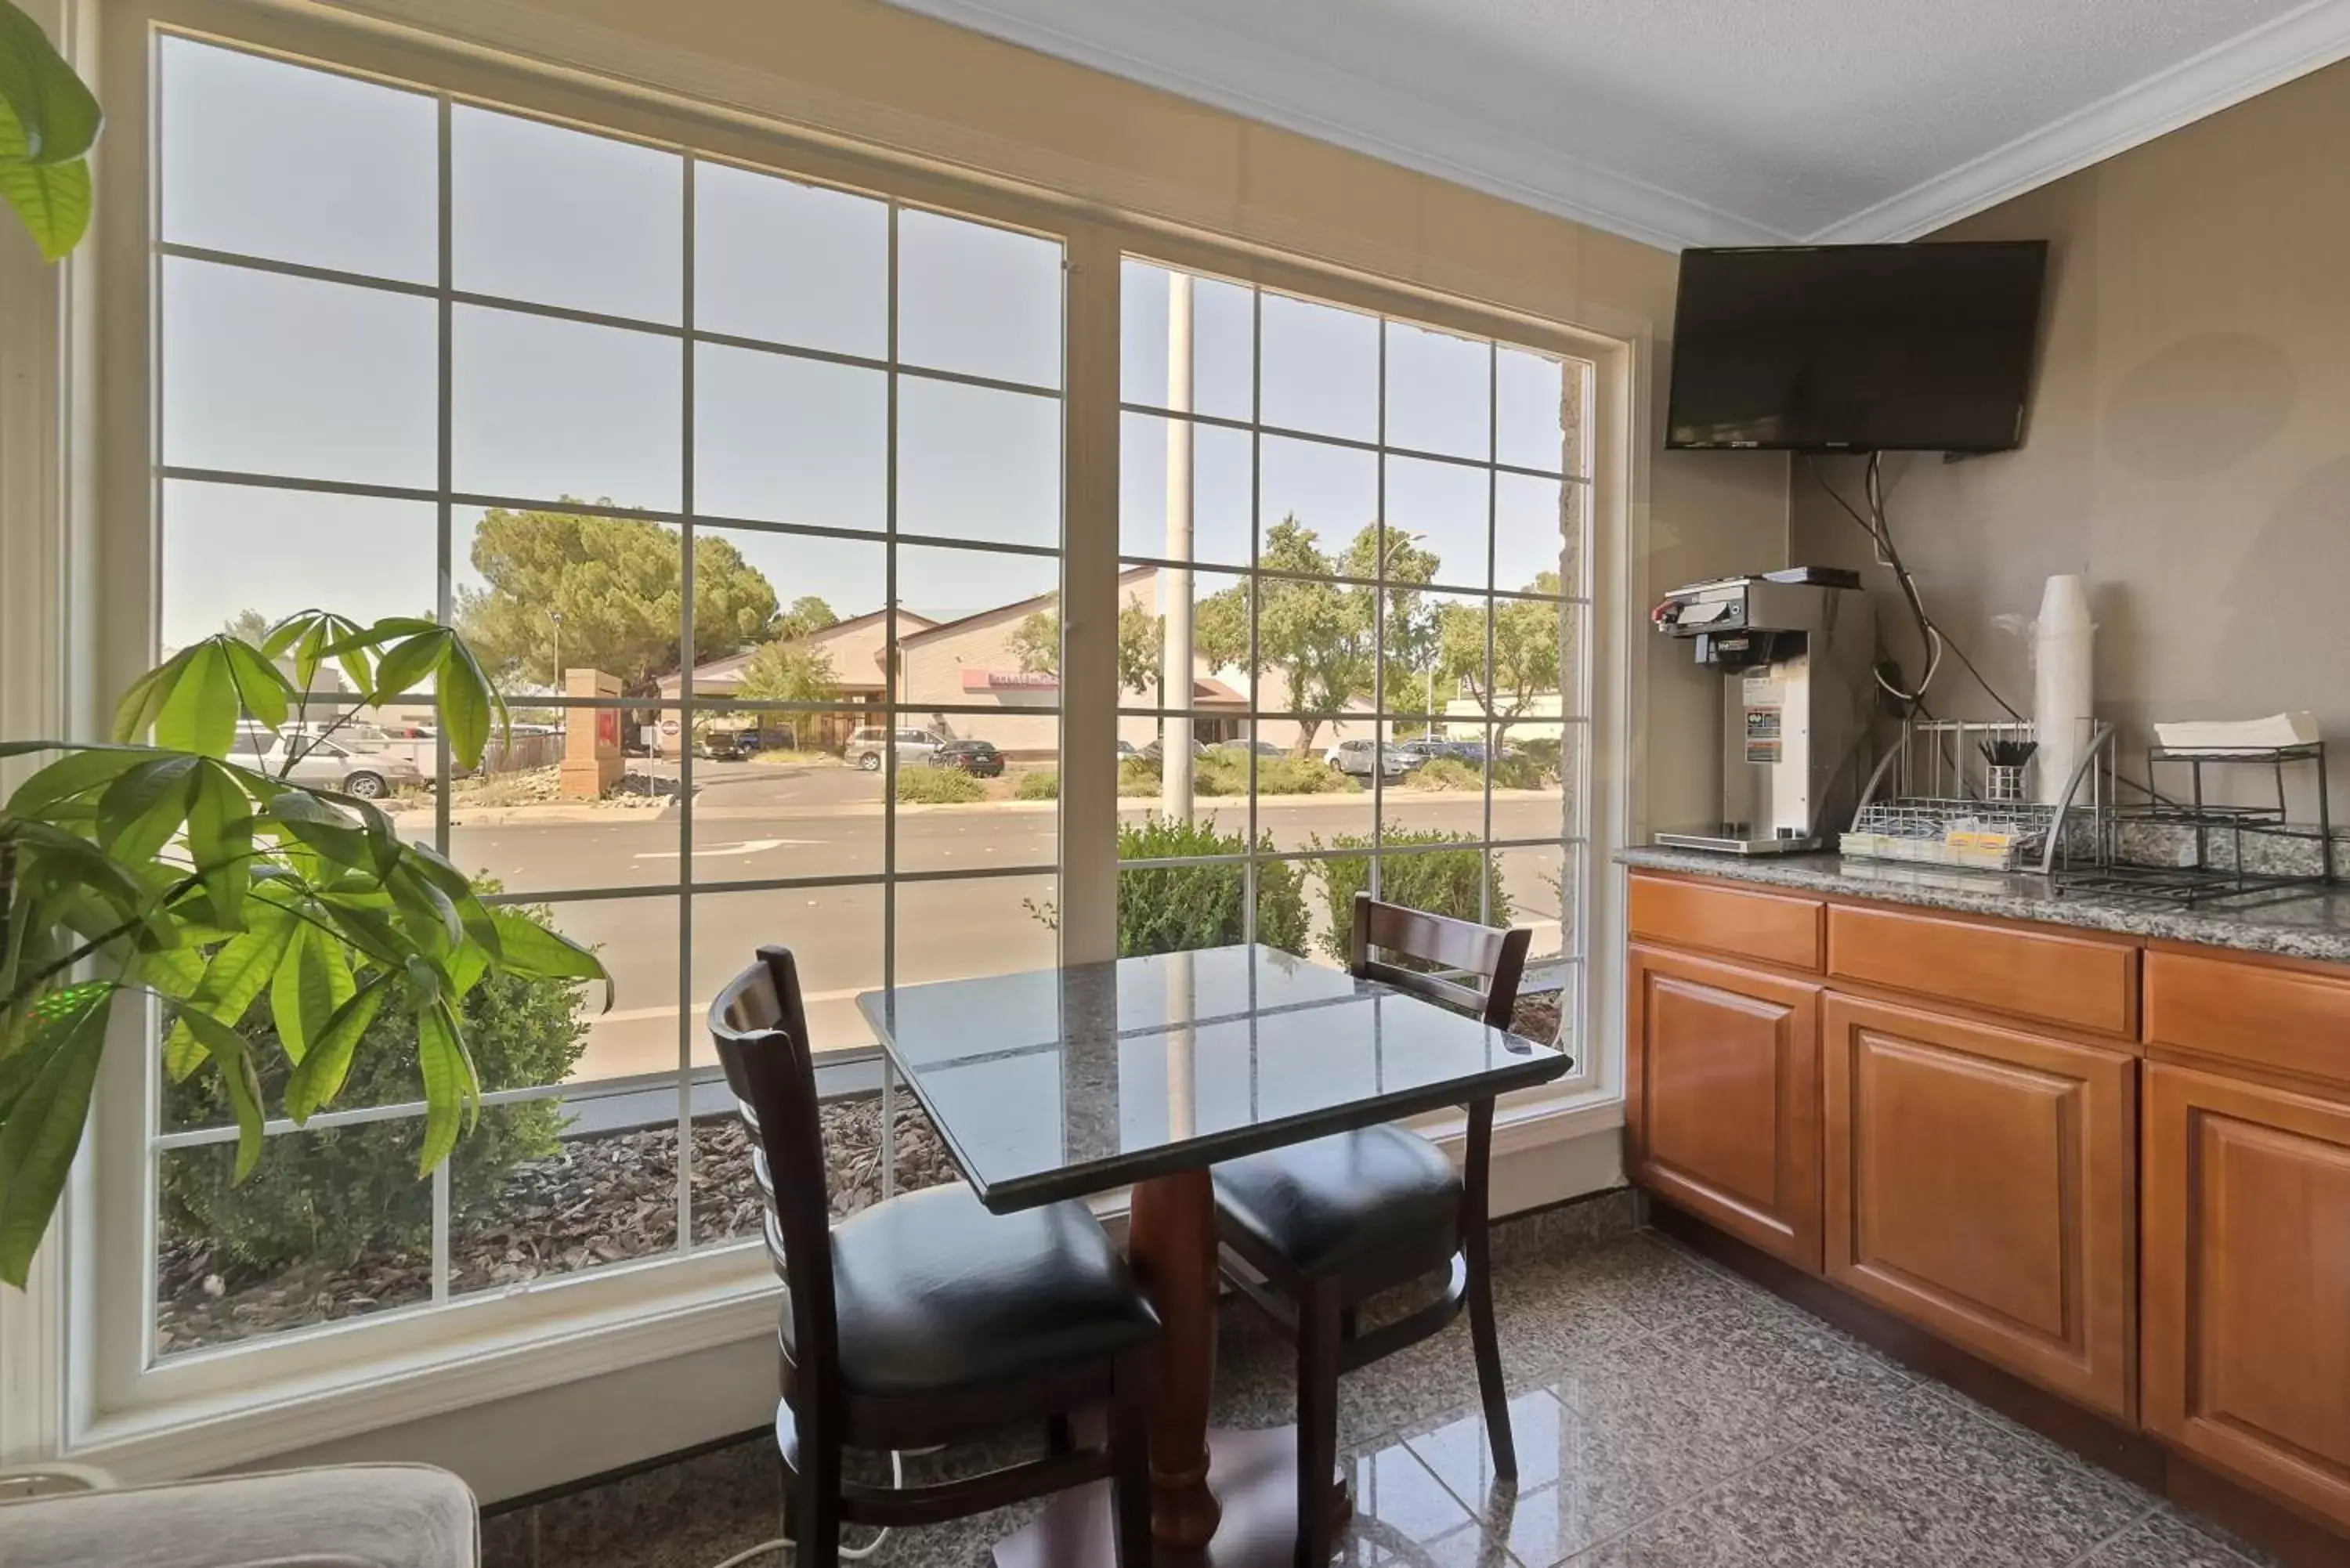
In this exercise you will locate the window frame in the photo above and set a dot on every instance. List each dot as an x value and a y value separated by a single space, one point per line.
223 1407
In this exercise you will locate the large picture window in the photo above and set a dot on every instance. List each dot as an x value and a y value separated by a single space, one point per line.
1353 628
750 489
748 464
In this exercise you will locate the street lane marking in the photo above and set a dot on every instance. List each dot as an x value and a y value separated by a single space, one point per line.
748 847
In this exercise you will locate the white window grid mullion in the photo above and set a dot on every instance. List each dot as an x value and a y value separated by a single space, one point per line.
1491 736
444 545
689 700
893 677
1384 531
1250 880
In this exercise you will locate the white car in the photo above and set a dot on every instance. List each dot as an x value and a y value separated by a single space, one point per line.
914 747
321 764
1355 758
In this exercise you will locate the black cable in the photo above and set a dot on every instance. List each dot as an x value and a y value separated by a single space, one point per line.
1882 537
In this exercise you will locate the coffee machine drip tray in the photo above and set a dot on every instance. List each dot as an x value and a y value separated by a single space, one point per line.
1737 838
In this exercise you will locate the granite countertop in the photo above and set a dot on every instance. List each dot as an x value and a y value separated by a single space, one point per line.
2315 925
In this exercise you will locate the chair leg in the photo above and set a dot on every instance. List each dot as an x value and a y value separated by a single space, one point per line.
1060 1436
1129 1457
1318 1335
815 1505
1486 1340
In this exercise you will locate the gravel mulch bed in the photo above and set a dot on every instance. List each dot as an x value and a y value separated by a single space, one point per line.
602 1199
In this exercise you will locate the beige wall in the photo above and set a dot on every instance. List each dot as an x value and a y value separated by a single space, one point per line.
2190 439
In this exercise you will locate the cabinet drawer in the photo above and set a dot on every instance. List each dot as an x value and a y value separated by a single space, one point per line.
1770 927
1982 1181
2081 982
2282 1018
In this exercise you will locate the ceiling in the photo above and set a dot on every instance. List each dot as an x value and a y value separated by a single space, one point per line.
1685 122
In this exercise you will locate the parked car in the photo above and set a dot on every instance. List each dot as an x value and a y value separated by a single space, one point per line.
1355 758
328 765
978 758
1129 752
1152 751
865 745
730 744
1242 747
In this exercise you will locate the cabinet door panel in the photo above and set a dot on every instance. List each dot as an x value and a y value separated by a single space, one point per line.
2248 1281
1982 1181
1723 1097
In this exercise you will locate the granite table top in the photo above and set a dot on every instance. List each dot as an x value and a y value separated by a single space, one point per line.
2311 925
1059 1083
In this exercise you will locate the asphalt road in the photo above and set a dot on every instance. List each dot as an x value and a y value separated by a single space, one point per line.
752 823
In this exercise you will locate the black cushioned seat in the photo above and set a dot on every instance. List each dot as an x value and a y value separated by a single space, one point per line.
934 1294
1337 1201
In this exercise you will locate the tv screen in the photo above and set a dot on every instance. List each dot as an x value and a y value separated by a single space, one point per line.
1919 347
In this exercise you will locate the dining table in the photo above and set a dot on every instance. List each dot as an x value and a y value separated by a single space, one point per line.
1145 1072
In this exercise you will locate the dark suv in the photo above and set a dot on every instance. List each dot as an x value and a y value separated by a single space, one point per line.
978 758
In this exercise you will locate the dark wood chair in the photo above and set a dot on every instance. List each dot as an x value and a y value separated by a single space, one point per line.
927 1319
1324 1226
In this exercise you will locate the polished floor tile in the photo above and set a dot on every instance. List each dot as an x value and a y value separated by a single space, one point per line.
1667 1415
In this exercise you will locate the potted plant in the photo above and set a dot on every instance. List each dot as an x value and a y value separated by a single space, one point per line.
193 871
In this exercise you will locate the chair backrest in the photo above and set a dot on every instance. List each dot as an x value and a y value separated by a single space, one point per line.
1499 957
759 1025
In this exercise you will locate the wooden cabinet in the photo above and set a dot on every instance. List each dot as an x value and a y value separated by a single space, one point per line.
1722 1097
1982 1181
2246 1247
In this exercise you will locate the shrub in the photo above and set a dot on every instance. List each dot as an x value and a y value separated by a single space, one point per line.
1227 772
1446 773
1442 881
937 786
1180 909
1137 776
334 1194
1175 908
1044 783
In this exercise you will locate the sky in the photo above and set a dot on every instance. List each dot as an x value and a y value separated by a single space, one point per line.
311 378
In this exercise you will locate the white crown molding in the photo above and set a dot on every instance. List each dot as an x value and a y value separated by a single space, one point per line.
2225 75
1208 65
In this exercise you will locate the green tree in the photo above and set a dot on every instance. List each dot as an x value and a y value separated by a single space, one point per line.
1319 633
1036 640
611 589
1525 652
808 614
790 671
1411 637
247 626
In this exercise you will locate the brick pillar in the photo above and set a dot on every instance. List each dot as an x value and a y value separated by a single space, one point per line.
591 737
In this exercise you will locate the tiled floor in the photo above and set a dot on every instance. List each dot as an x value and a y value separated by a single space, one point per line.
1667 1415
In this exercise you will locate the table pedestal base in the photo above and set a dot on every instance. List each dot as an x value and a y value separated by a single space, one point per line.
1254 1476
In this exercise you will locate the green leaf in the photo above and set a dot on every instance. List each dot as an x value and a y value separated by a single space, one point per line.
53 117
411 661
531 950
53 200
219 841
142 704
302 994
144 807
318 1076
198 713
452 1093
238 974
75 774
232 1054
262 689
43 1125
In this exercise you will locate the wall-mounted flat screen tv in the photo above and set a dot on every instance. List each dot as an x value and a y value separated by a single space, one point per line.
1917 347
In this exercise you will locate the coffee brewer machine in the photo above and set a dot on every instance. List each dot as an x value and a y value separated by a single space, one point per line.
1796 650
